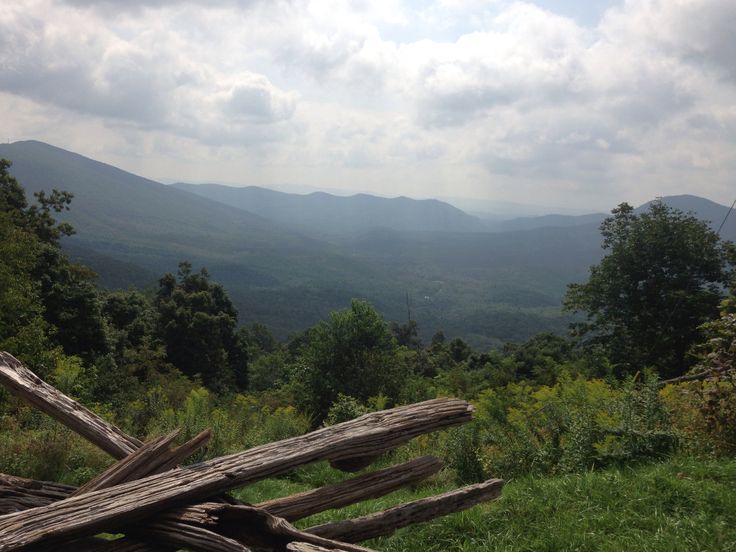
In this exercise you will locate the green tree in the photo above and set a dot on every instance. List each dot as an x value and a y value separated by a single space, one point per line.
407 335
23 330
662 278
197 323
61 292
352 353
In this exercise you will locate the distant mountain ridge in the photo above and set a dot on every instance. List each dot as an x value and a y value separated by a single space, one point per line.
487 287
704 209
123 221
327 214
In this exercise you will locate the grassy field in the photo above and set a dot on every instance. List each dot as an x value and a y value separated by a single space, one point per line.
681 504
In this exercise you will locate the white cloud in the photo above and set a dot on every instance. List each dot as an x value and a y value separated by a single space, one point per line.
492 99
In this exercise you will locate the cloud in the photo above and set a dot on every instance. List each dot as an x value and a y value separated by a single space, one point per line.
145 79
500 98
698 32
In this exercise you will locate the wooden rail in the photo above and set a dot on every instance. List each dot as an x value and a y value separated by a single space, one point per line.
161 507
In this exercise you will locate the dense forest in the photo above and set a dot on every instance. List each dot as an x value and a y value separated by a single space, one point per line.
659 305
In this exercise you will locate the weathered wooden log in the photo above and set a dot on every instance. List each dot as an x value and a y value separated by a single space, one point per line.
189 537
137 462
18 494
381 524
219 527
27 385
306 547
252 526
176 456
97 544
171 532
351 491
128 503
292 508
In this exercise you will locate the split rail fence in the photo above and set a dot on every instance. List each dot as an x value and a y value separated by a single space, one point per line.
159 505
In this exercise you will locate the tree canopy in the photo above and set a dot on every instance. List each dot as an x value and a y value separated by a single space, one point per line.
50 295
197 324
352 353
663 276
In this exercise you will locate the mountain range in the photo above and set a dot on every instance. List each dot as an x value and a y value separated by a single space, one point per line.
324 214
287 260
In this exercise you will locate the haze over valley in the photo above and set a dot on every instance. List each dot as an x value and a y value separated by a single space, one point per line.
287 260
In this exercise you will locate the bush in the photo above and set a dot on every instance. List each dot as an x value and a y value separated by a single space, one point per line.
463 454
573 426
343 409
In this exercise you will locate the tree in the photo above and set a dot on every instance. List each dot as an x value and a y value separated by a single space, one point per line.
663 277
23 329
69 302
197 325
352 353
407 335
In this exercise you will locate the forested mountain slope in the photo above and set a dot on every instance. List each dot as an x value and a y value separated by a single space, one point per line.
487 287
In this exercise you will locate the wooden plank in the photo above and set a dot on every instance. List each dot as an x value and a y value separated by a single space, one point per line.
255 527
386 522
18 493
137 462
189 537
28 386
351 491
292 508
181 453
306 547
128 503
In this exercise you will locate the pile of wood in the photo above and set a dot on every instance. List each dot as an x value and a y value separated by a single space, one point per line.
151 502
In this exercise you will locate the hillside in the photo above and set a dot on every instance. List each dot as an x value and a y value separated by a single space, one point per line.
324 214
483 287
487 287
543 221
274 274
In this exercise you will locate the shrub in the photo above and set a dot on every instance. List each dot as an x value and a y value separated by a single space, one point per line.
343 409
572 426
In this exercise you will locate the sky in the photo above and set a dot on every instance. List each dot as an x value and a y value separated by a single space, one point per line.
583 104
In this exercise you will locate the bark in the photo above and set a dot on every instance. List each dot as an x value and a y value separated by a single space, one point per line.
255 527
351 491
133 466
18 494
385 523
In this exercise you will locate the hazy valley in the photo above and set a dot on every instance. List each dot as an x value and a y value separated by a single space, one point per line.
287 260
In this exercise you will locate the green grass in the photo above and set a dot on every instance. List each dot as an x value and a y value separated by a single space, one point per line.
681 504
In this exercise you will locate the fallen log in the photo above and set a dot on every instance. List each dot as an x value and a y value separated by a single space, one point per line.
306 547
351 491
27 385
125 504
170 532
190 537
176 456
382 524
126 469
254 527
18 493
292 508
